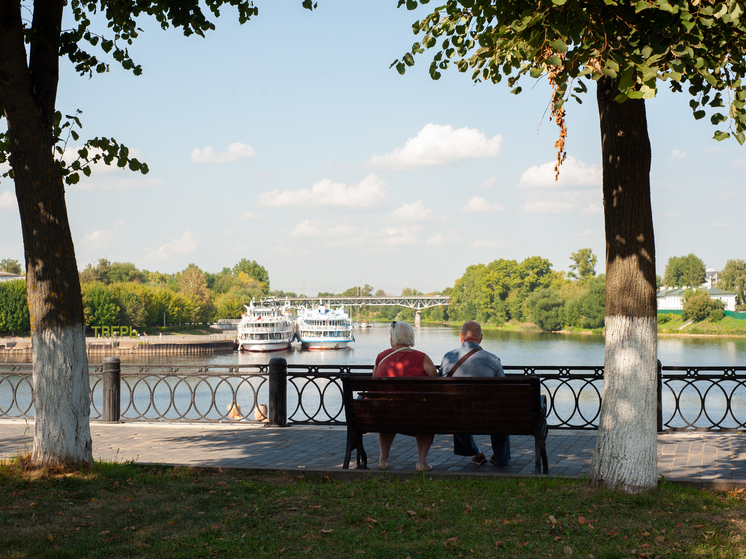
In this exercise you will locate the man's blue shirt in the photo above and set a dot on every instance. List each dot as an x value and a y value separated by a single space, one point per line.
481 364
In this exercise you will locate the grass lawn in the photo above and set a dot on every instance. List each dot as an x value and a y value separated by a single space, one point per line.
128 510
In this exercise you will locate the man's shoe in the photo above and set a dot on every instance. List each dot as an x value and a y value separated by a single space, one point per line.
494 462
479 459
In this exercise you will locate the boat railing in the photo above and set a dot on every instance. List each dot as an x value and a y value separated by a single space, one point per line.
688 398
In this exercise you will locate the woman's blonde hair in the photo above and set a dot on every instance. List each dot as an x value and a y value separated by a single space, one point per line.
402 334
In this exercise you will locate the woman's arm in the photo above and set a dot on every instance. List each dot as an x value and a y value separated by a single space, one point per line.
429 367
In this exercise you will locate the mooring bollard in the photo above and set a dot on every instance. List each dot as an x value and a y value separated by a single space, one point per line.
278 392
112 389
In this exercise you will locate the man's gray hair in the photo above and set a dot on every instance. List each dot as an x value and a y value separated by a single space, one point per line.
402 334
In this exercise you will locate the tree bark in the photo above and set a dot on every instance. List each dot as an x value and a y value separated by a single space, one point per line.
27 96
626 447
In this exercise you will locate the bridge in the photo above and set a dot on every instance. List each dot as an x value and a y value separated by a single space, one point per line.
415 302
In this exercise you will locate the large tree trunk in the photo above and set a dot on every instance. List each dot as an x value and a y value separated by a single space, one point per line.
27 95
626 454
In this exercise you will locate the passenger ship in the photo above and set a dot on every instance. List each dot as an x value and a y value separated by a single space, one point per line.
265 328
325 328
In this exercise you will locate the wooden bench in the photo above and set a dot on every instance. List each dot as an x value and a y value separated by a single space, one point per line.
461 405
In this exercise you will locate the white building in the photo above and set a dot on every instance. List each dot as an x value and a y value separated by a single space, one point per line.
673 299
7 276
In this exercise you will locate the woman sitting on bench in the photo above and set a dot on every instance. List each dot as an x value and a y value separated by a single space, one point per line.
403 361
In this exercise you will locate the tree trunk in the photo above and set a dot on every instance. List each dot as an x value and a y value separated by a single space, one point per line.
626 447
27 96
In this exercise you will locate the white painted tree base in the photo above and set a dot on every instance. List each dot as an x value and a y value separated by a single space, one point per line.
62 433
626 445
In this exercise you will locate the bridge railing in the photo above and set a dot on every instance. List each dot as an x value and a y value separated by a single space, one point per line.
689 398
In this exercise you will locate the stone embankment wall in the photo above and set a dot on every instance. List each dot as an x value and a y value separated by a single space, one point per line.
151 345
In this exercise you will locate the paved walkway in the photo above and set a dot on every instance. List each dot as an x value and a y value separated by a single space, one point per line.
711 458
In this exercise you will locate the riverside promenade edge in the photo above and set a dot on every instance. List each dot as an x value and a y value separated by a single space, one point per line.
714 460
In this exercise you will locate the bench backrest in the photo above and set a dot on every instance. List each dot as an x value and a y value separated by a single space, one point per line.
505 405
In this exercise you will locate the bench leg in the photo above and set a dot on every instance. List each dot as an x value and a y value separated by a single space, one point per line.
348 450
362 457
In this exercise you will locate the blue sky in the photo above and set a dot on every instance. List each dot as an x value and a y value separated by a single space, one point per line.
291 142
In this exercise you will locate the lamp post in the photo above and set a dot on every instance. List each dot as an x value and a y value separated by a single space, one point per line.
194 311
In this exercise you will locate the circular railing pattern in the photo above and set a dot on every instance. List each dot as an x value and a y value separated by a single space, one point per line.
692 398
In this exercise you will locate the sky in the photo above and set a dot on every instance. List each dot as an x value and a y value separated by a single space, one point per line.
290 141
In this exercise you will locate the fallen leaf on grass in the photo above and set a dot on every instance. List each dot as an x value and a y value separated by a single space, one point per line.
660 539
498 543
568 550
314 506
369 519
411 513
329 531
103 533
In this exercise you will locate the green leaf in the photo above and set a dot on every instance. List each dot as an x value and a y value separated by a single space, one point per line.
401 68
408 59
641 5
698 115
554 60
559 2
740 137
535 72
709 78
559 46
720 135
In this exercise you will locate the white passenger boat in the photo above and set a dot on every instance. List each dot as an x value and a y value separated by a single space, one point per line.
265 328
325 328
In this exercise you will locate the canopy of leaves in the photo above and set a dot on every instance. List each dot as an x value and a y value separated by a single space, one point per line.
684 271
698 306
14 313
11 266
699 45
733 278
584 264
545 309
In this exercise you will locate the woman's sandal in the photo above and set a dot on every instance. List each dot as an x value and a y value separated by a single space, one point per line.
383 465
423 467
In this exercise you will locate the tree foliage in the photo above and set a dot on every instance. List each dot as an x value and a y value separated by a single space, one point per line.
733 278
254 270
545 309
14 313
697 45
11 266
584 264
684 271
698 306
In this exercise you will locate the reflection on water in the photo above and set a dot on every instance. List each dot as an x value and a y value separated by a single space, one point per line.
513 348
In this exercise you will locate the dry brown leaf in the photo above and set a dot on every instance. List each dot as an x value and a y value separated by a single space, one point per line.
314 506
329 531
411 513
369 519
568 550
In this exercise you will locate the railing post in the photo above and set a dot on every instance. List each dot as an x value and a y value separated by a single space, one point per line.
278 392
112 389
659 398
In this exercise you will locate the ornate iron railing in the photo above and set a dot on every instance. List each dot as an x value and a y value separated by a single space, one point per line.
690 398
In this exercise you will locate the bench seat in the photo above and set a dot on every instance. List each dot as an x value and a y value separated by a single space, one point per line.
456 405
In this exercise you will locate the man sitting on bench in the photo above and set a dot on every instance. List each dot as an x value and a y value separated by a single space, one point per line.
470 360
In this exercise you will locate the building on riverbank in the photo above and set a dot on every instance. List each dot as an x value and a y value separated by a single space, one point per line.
673 299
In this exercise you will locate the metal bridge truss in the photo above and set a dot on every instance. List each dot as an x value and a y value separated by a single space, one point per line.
413 302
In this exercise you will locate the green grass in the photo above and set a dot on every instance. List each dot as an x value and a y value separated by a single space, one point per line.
126 510
728 326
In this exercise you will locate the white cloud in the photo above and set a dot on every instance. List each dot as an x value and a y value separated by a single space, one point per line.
110 183
594 208
487 243
488 183
447 239
236 152
370 193
729 192
718 225
591 234
676 155
414 212
342 234
100 240
667 215
186 245
437 145
8 201
548 207
247 216
740 163
572 173
398 236
478 205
